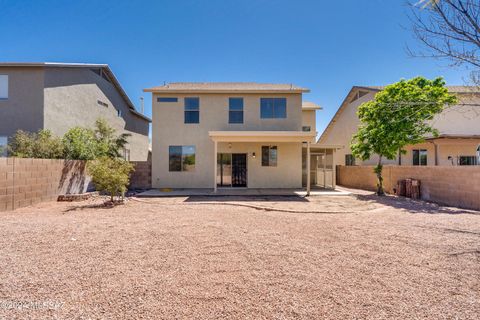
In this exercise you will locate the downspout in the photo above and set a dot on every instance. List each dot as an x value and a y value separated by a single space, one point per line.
435 146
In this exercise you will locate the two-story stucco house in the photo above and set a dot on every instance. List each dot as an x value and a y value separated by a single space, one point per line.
224 135
59 96
458 142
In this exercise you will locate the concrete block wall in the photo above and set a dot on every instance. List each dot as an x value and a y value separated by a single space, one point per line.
24 182
141 178
457 186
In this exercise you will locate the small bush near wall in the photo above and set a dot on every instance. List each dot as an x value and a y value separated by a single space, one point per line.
110 175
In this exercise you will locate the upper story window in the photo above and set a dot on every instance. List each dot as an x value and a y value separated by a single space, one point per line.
119 113
192 110
235 110
419 157
273 108
167 99
3 86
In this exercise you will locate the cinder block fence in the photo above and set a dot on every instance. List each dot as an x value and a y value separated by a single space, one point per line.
454 186
24 182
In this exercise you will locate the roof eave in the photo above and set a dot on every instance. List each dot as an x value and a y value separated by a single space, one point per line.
153 90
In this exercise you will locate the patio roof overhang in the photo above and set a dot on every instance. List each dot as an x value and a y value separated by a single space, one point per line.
262 136
326 146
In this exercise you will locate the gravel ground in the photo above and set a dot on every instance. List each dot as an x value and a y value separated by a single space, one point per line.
350 257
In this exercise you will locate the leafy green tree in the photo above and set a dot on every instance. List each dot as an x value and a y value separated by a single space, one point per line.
111 175
42 144
80 144
399 115
109 144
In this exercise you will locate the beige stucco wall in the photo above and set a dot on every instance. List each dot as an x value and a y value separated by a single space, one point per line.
24 107
463 119
168 128
343 129
453 148
71 96
308 119
457 120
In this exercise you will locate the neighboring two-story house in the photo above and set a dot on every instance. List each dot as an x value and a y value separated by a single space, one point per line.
59 96
458 142
209 135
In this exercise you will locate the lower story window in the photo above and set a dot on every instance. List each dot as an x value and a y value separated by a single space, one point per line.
467 161
269 156
349 160
3 146
419 157
181 158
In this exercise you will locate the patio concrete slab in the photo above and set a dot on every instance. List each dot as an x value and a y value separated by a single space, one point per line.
153 193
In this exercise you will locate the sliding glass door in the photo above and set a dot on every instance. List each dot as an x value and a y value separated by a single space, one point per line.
232 170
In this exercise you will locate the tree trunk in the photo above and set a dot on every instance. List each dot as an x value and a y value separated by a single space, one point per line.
378 171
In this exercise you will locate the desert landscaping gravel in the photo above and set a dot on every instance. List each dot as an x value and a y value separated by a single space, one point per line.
328 257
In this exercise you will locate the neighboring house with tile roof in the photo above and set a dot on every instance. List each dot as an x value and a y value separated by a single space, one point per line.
59 96
457 144
231 134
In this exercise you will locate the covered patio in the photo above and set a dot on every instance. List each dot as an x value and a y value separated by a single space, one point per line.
316 159
282 148
322 166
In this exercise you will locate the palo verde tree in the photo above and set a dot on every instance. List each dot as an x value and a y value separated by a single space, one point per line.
399 115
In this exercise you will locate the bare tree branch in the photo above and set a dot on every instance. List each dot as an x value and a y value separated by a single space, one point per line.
448 29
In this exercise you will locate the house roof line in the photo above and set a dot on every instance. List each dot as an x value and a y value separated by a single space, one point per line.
226 87
453 89
454 136
105 67
340 110
307 105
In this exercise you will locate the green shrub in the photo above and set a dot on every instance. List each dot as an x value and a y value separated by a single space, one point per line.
80 144
77 144
43 145
111 175
109 144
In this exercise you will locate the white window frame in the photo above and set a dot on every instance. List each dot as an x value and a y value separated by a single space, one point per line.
3 147
4 86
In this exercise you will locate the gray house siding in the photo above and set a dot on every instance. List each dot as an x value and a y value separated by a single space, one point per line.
72 97
59 98
24 107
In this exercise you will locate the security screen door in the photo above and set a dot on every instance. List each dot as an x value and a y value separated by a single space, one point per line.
232 170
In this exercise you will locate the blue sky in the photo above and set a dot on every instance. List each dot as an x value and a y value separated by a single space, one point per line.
327 46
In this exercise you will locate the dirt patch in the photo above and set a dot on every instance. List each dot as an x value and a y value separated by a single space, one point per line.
333 258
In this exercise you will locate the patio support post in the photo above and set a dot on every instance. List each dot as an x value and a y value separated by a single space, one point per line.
308 168
215 166
334 167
